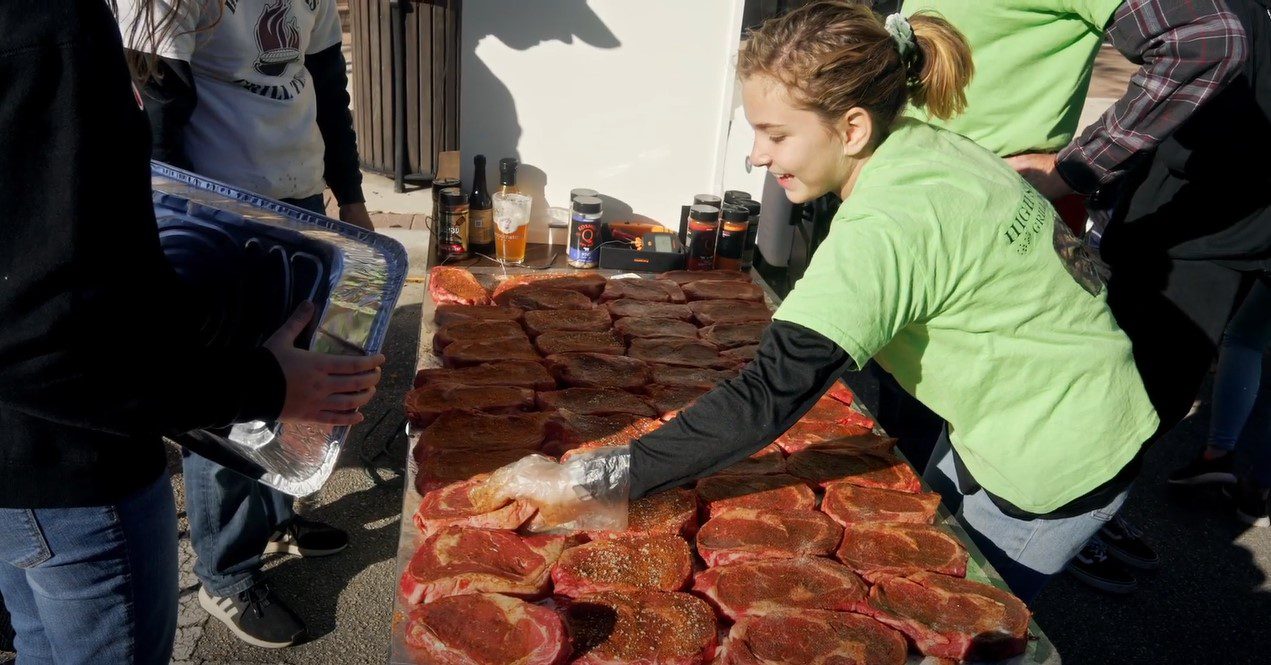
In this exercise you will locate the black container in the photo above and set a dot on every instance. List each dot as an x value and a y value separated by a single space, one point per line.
703 229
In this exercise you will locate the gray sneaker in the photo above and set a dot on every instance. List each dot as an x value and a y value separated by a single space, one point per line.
256 616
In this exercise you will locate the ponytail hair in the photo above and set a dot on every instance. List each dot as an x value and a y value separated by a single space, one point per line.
834 55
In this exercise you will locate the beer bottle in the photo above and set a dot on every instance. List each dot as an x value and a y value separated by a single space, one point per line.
480 212
507 175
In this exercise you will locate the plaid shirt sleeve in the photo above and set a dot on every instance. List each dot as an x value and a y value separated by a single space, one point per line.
1188 52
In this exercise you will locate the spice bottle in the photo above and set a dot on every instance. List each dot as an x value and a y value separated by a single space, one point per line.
736 196
452 231
707 200
752 230
732 236
439 184
703 226
584 233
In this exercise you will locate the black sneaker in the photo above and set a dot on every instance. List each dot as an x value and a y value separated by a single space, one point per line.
1125 542
1202 471
1093 566
307 538
256 616
1251 503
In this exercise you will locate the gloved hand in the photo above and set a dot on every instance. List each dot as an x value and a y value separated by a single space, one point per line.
586 493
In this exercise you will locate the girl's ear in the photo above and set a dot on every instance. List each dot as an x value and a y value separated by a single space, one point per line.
856 131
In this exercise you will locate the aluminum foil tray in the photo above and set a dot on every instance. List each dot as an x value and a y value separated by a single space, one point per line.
249 262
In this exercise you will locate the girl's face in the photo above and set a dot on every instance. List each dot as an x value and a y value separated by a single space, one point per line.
806 157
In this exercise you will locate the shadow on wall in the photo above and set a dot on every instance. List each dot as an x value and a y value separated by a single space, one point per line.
521 26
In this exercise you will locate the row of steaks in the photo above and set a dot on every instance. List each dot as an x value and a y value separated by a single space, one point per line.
818 549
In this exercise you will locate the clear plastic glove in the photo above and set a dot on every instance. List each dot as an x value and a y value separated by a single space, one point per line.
587 493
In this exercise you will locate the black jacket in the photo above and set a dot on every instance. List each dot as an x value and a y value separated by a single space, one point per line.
97 360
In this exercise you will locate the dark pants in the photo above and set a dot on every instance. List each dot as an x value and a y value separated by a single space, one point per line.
915 427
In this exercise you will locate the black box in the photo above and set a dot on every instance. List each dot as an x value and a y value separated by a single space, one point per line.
625 258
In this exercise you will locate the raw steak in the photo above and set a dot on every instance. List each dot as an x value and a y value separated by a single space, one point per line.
520 373
898 548
645 309
595 401
682 352
455 286
711 312
539 321
544 298
733 335
655 561
448 314
723 290
653 290
457 560
598 370
650 627
589 284
741 354
760 587
453 505
487 330
699 377
683 277
423 405
477 351
673 512
842 393
822 466
466 430
769 459
949 617
741 534
808 433
439 467
569 430
813 637
668 400
846 503
550 343
643 326
487 629
830 410
638 428
776 492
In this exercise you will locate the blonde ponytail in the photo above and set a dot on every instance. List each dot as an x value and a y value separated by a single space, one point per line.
944 69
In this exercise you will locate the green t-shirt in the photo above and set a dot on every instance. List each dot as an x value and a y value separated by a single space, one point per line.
1033 61
945 267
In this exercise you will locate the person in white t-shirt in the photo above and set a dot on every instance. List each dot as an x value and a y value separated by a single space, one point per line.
252 93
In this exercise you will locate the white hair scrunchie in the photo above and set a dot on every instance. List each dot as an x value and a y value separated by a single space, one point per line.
901 32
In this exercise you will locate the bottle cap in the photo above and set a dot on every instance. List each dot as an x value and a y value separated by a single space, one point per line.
705 212
588 205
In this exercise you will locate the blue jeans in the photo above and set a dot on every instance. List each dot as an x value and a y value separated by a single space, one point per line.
1025 552
1239 376
95 584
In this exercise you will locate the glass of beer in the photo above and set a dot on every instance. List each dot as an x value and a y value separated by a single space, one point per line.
511 227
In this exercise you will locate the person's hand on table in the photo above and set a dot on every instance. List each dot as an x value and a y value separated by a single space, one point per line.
321 388
1039 169
356 214
586 493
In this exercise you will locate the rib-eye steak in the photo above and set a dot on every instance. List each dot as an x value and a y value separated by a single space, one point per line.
598 370
561 341
846 503
711 312
458 560
568 430
453 505
741 354
682 352
673 512
699 377
455 286
950 617
645 309
707 289
589 284
651 627
477 351
776 492
636 429
830 410
769 459
807 433
813 637
439 467
486 629
683 277
467 430
760 587
652 561
448 314
898 548
822 466
595 401
537 297
424 404
653 290
668 400
841 393
741 534
489 330
643 326
733 335
519 373
539 321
